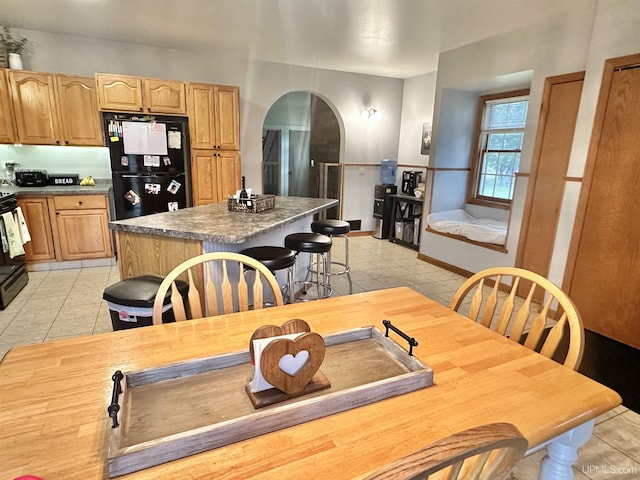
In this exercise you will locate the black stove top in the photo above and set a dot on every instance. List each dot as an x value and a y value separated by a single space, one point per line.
8 202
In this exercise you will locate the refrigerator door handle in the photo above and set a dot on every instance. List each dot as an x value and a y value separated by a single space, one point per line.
150 175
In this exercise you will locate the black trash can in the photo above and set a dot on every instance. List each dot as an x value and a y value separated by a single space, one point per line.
131 301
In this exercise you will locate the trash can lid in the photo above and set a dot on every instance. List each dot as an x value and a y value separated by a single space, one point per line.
140 291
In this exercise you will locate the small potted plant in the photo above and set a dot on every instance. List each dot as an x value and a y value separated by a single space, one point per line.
14 47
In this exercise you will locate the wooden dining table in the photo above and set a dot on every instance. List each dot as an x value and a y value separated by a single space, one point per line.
54 396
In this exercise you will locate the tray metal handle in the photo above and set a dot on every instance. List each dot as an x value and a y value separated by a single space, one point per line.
412 341
114 407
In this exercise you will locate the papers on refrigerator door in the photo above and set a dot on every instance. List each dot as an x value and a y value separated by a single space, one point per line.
141 138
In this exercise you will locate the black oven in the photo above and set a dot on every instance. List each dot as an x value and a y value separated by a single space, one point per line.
13 271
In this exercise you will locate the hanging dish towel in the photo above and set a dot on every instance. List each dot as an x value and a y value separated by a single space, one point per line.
24 231
13 235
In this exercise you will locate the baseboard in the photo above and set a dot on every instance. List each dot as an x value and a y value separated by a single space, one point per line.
446 266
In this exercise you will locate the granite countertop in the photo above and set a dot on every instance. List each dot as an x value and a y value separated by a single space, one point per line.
101 187
214 223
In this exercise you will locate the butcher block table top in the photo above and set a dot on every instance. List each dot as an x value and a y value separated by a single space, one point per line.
54 395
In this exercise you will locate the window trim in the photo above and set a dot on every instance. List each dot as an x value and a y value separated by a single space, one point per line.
474 161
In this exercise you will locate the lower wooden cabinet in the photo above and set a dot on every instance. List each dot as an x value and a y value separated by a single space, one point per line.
215 175
36 214
67 227
83 226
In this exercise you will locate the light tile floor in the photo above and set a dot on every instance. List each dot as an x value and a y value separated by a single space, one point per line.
65 303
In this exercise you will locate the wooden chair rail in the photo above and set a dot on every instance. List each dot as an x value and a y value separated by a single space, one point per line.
486 452
217 285
525 313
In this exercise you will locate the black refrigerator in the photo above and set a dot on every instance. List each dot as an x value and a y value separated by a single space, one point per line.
149 163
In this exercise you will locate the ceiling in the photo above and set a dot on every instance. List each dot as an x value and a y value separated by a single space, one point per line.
394 38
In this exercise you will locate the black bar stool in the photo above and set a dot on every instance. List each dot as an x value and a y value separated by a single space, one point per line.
312 243
336 228
276 258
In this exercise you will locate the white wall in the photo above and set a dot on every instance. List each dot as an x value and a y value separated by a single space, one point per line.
261 84
417 109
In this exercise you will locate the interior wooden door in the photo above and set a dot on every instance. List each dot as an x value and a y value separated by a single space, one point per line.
324 148
559 110
603 270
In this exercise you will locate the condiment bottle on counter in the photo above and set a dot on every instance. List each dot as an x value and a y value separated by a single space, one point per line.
244 196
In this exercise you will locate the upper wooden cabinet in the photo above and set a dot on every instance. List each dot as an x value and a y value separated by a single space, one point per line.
119 92
53 109
135 94
81 123
7 123
164 96
35 107
214 116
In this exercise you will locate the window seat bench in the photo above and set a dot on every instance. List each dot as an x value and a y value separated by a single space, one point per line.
459 222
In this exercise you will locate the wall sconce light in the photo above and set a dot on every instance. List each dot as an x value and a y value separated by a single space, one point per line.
371 114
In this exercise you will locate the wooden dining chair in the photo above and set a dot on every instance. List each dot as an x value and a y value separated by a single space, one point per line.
533 311
217 284
486 452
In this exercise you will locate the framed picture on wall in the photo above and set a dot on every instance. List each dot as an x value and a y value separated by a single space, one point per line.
425 148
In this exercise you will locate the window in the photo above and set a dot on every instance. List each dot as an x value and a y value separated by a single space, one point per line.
500 134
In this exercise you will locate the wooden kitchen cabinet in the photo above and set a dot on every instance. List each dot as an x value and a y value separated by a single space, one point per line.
83 226
228 173
7 123
214 124
214 116
36 213
119 92
36 108
136 94
164 96
81 124
66 227
55 109
215 175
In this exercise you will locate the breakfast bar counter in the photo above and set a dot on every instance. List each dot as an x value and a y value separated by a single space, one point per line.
155 244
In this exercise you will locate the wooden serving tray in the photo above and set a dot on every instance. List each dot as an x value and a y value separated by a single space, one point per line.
189 407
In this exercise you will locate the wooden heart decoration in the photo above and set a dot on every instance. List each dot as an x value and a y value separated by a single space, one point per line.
290 353
295 325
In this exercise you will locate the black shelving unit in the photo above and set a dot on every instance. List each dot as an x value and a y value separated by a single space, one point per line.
406 209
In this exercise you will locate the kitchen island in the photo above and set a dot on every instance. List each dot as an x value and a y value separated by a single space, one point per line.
155 244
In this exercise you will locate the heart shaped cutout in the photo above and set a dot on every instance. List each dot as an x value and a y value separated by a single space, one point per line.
274 352
291 364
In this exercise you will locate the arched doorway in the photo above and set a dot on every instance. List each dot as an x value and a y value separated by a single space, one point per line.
301 149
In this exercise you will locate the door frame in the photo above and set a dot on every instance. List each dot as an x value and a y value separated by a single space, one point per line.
340 121
610 65
536 161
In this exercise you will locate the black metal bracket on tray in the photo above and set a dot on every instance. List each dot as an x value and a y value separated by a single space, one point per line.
114 407
412 341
